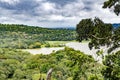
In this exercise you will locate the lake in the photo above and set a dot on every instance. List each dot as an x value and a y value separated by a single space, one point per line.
83 47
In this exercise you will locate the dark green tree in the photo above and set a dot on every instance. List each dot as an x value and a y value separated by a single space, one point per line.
96 31
101 34
112 67
113 3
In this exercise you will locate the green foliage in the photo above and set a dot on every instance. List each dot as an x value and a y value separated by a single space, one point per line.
96 31
36 45
113 3
23 37
11 66
56 43
84 28
111 70
94 77
101 34
67 64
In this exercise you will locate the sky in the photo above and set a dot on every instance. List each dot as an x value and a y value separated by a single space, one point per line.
53 13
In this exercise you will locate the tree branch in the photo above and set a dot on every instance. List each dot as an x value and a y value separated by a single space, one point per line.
99 38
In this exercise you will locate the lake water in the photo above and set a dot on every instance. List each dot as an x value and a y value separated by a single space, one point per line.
83 47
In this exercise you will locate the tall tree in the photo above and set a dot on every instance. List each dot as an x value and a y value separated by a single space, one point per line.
101 34
96 31
113 3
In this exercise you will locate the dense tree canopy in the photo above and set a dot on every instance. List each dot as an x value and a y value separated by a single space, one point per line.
67 64
112 61
22 36
113 3
96 31
112 67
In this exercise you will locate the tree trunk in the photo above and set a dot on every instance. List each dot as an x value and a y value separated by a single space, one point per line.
49 74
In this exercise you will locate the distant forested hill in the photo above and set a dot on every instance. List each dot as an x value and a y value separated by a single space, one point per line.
23 36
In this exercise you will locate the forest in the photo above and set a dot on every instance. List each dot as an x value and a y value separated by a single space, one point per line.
18 65
66 64
28 37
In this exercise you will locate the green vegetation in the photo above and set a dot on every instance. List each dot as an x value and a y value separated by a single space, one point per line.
115 4
111 71
57 43
101 34
22 36
68 64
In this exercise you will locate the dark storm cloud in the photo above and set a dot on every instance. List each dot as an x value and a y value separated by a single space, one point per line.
23 7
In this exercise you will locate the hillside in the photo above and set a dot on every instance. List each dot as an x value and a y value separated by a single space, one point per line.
17 65
23 36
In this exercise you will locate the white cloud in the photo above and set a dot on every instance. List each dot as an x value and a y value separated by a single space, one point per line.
56 17
48 6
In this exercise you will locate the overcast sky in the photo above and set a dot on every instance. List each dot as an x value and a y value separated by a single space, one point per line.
53 13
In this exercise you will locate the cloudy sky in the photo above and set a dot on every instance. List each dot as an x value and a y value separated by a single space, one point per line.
53 13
